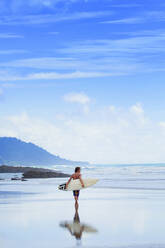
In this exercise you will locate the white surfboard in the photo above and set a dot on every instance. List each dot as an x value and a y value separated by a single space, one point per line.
76 184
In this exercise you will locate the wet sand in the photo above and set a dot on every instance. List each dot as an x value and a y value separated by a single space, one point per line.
34 214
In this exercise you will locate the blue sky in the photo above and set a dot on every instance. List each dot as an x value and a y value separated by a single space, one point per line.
85 79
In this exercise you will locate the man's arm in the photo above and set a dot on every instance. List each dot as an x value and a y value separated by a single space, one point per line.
82 183
68 181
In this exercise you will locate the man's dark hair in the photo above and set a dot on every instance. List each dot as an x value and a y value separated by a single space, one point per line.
77 169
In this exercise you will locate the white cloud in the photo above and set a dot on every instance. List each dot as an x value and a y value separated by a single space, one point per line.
101 137
147 16
137 109
45 63
133 20
112 108
16 6
23 118
126 5
10 36
50 18
123 47
14 51
162 124
117 57
125 55
7 76
77 98
112 66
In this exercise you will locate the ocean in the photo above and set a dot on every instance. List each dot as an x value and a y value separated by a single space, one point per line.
142 176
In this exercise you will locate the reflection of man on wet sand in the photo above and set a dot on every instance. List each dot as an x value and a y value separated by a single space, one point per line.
76 229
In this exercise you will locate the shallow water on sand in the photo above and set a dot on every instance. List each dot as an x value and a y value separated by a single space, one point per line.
123 210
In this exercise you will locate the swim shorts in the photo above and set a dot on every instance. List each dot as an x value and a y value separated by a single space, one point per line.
76 193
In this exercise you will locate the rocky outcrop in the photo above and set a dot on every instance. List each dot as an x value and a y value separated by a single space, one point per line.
43 174
19 169
31 172
18 179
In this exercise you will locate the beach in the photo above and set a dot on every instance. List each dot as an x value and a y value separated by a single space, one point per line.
124 209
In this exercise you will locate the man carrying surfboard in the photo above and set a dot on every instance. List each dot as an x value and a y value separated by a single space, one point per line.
75 176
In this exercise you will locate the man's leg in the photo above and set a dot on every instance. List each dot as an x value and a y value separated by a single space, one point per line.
76 202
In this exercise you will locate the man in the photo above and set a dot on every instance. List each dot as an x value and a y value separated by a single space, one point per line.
75 176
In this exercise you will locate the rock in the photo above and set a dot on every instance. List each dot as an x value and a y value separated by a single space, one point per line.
16 178
19 169
43 174
31 172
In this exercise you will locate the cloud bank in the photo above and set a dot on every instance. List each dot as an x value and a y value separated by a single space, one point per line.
107 135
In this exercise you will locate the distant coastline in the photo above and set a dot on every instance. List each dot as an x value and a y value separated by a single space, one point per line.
15 152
